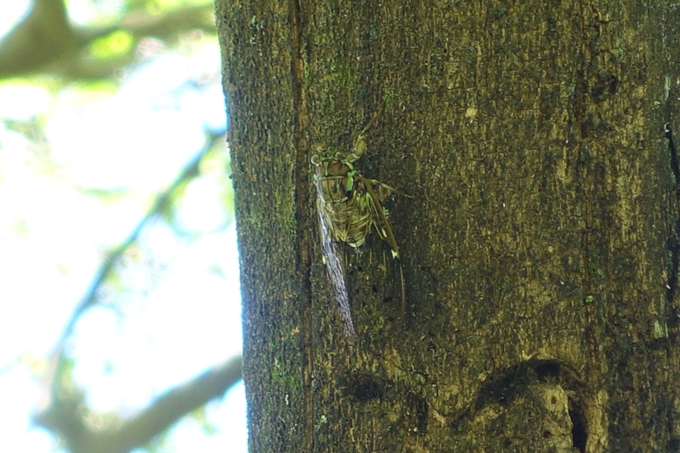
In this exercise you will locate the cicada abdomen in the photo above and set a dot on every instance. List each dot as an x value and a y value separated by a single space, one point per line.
349 207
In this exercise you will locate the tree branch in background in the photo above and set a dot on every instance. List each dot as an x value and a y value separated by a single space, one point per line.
68 420
43 37
160 205
61 408
46 42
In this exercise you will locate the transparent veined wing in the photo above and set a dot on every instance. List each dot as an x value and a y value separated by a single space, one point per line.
335 271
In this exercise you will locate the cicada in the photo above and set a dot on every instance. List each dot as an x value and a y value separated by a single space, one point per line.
349 207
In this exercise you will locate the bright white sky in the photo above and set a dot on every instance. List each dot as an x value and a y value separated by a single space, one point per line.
177 319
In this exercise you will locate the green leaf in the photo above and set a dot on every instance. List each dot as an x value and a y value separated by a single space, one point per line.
112 46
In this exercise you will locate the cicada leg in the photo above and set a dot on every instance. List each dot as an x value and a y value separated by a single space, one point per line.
360 144
383 226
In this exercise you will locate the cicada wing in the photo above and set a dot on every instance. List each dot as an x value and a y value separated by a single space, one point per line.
377 193
335 270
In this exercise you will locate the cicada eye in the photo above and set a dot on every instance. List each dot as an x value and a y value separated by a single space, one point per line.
315 159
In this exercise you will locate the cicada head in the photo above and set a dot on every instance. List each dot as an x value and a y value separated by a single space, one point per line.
334 175
330 154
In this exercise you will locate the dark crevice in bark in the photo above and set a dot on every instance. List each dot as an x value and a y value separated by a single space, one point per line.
506 385
673 151
579 430
674 445
518 381
365 387
302 195
582 173
673 246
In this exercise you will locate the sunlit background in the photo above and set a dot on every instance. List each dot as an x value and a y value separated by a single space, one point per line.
130 170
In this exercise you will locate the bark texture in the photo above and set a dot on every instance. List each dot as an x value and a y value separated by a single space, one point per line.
539 246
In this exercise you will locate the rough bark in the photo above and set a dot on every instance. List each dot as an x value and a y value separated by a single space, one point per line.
539 248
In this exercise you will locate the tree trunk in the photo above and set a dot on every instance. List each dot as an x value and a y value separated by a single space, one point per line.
538 244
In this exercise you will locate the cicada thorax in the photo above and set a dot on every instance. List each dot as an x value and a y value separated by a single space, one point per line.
348 201
359 216
334 180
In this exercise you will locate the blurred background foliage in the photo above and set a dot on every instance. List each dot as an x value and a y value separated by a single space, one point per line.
119 298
